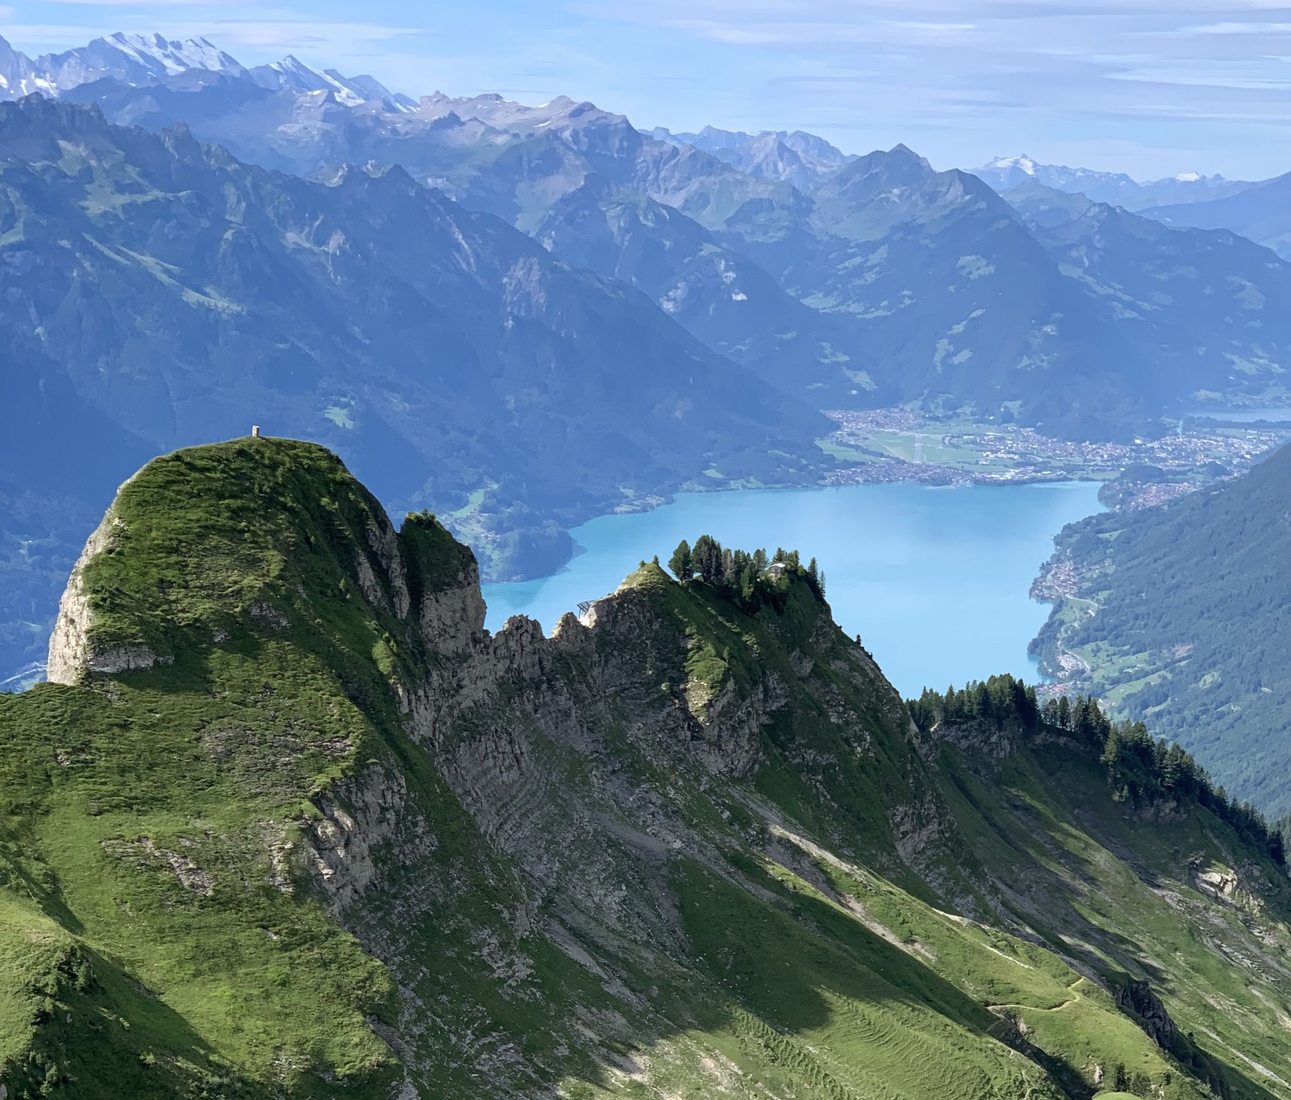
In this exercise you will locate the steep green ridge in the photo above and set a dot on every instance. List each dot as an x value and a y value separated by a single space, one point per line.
1177 616
294 824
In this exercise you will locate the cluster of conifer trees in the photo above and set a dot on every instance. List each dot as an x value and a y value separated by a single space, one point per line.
1001 700
738 573
1140 768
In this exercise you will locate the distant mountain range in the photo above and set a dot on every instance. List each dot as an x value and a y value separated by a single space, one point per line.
1114 188
137 60
1261 212
586 315
802 159
1149 279
838 279
131 58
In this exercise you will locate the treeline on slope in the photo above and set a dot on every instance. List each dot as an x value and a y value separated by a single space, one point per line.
751 579
1141 769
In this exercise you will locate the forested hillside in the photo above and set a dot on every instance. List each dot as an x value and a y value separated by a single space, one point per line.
1178 615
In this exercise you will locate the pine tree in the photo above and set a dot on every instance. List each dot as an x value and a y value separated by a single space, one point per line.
682 562
1087 721
1112 749
708 558
1278 849
981 701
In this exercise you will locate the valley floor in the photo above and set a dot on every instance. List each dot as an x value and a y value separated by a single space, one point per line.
898 444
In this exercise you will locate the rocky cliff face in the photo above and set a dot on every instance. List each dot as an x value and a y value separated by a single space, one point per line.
682 846
73 652
69 657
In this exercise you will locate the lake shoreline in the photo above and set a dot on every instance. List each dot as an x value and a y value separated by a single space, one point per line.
914 568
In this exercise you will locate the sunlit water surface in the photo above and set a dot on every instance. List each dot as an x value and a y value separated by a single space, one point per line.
934 580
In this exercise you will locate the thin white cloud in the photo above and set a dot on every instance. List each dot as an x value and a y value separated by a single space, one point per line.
31 37
1104 68
301 33
1237 28
827 35
127 5
1184 78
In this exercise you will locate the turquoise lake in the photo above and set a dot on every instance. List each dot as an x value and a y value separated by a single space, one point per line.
933 579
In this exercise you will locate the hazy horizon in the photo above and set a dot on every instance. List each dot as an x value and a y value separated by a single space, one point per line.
1126 86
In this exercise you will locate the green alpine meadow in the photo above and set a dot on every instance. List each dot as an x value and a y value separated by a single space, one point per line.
287 822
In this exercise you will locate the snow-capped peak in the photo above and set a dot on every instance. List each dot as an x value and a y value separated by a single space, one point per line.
293 75
1188 177
291 65
174 56
1021 162
143 59
131 58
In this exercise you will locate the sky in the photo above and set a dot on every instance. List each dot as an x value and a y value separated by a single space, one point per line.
1148 87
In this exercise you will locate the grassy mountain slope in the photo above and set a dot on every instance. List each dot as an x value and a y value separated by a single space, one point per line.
1177 615
293 824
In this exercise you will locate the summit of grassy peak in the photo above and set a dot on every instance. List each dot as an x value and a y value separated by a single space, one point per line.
211 542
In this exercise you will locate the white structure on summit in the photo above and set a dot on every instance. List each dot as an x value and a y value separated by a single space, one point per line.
255 431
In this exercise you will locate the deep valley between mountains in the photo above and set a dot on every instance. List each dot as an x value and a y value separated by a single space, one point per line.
290 822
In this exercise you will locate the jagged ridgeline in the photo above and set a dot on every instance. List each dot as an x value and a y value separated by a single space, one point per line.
291 823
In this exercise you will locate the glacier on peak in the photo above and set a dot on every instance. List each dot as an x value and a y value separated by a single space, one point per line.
1021 162
140 59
